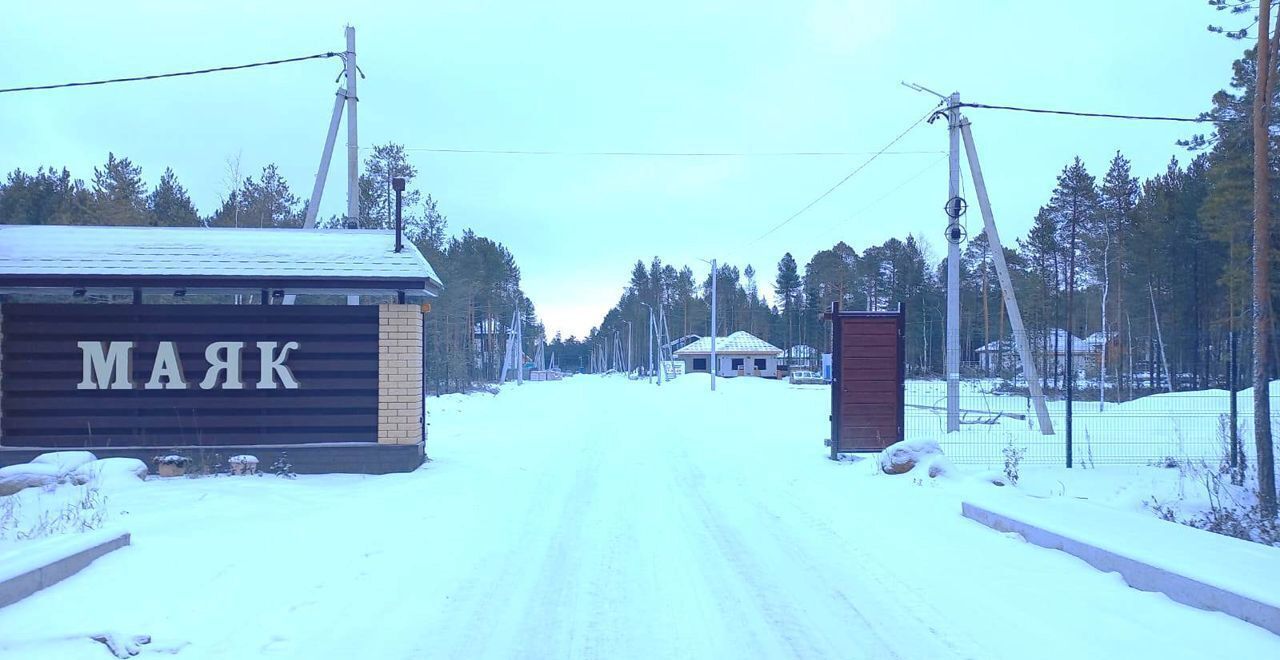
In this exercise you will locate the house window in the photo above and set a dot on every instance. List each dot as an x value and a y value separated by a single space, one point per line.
699 364
761 364
736 364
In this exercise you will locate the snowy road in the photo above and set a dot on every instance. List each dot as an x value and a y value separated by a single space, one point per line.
600 518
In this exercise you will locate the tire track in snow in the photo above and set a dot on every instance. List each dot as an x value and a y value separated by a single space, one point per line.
776 538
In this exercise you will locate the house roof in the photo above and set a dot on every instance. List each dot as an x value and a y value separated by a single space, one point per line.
328 260
738 342
1097 339
1079 345
996 346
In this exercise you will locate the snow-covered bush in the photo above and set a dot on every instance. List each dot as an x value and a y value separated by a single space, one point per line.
105 471
1012 461
282 467
65 461
205 463
86 511
1230 507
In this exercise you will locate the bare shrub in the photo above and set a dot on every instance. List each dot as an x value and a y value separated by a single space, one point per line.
1012 459
86 512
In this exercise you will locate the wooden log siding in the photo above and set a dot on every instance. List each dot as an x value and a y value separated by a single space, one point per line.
336 367
867 390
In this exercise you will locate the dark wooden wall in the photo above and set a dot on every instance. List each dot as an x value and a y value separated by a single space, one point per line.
336 367
867 391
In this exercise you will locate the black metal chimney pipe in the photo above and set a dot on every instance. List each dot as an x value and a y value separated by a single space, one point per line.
398 184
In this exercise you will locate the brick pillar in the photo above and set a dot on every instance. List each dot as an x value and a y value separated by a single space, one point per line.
399 374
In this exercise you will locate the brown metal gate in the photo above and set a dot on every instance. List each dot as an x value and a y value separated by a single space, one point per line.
867 379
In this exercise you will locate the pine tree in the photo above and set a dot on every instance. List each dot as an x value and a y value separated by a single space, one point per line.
1117 202
1043 249
168 205
268 202
1074 207
46 197
787 287
378 198
118 194
433 226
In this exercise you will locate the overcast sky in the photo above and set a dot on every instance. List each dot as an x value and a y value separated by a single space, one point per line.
664 76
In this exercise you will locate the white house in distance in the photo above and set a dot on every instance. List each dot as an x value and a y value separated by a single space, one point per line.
1087 353
739 354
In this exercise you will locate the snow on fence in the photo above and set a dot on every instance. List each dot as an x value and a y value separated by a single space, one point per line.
1190 425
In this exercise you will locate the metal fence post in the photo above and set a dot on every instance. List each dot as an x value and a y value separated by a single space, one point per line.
1071 380
1235 413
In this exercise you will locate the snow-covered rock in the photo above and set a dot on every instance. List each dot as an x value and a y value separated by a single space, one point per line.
65 461
26 475
106 470
938 466
902 457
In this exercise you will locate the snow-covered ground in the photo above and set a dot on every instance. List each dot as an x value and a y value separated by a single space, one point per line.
1180 425
600 517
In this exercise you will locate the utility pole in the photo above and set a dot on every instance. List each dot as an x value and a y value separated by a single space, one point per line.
954 236
655 330
650 374
629 324
353 141
317 190
714 365
1007 293
346 95
519 356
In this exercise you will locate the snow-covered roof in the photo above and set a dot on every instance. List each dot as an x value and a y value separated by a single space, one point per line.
1063 338
53 255
996 346
738 342
1097 339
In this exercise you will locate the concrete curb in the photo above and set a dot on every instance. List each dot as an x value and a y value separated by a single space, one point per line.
62 566
1137 573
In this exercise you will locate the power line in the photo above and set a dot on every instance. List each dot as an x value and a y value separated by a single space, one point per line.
889 193
661 154
177 74
1099 115
848 176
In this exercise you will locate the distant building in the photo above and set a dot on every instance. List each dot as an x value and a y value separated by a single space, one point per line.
801 358
739 354
1002 355
997 356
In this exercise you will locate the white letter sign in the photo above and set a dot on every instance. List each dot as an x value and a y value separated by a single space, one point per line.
227 363
105 372
167 366
271 364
